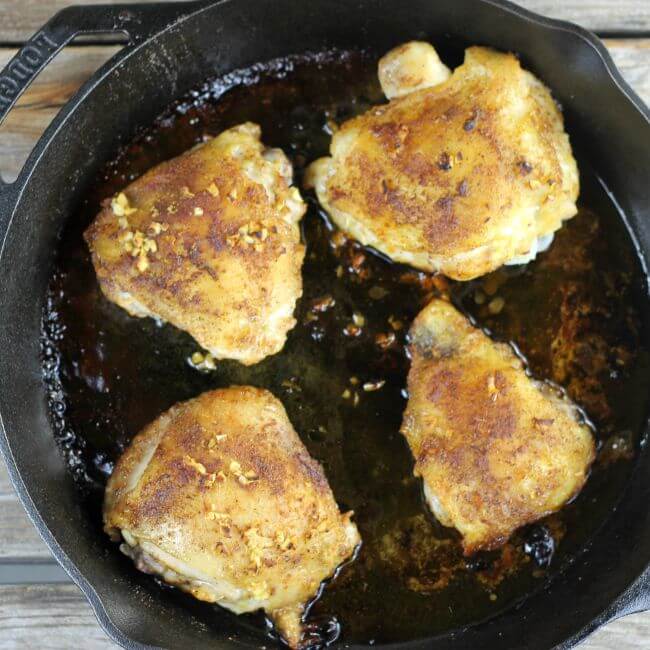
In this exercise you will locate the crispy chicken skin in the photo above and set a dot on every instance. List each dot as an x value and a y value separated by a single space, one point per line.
495 448
459 173
210 242
219 497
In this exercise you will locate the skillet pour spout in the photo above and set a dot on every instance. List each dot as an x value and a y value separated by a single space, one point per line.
172 48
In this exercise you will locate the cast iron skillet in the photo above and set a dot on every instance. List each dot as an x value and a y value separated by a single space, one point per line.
172 48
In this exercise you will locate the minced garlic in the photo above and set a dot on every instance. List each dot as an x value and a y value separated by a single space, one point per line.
137 245
252 234
245 478
199 467
121 207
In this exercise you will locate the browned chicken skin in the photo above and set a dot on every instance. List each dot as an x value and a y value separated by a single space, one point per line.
210 242
219 497
495 448
460 172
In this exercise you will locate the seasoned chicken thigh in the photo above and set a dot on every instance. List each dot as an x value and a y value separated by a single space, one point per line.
459 173
209 242
219 497
495 448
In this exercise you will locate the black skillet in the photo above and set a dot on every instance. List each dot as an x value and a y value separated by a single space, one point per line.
172 48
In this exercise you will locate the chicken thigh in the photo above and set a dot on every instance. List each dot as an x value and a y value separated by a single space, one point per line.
210 242
460 172
219 497
496 449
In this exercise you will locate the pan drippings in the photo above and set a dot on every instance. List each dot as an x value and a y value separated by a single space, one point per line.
575 313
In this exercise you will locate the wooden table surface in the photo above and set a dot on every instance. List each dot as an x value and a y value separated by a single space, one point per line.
39 607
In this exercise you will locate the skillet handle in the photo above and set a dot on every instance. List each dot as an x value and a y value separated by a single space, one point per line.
135 22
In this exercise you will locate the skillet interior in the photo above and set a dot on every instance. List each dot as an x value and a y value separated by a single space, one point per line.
103 390
144 598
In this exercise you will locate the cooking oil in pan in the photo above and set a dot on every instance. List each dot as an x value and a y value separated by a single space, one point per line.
575 313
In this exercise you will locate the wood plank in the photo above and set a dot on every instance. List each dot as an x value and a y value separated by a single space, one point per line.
606 16
48 617
69 70
29 615
36 108
21 18
632 58
18 537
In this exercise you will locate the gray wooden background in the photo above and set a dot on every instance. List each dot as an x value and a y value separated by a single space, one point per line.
39 608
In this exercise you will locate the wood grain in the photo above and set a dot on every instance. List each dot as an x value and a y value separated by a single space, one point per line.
74 65
632 58
606 16
48 617
21 18
36 108
18 538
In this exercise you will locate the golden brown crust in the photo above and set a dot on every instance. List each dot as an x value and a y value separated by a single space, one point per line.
221 488
210 242
495 448
458 178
